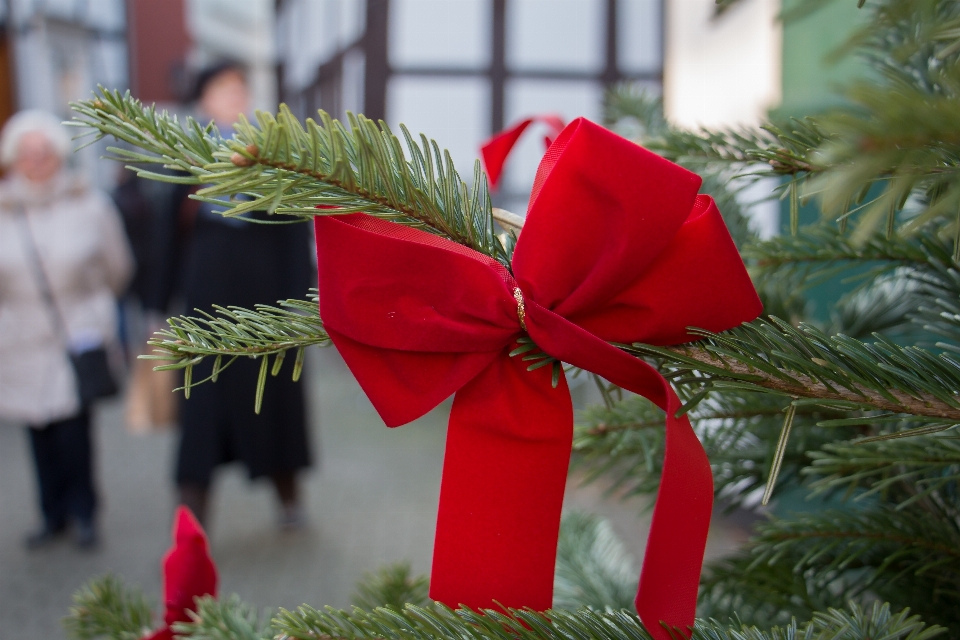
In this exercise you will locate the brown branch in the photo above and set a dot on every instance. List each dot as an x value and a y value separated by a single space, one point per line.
788 164
802 386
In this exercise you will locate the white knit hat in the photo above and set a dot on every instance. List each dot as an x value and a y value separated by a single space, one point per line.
29 121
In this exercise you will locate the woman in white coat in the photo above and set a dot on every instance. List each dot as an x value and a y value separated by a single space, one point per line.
51 222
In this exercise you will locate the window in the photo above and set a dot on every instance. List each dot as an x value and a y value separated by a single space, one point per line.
461 70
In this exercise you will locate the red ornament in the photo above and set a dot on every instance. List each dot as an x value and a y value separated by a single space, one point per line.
188 572
617 247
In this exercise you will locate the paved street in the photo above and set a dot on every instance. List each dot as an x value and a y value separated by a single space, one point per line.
372 500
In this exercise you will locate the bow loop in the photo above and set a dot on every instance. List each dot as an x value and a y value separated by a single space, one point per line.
498 148
414 316
602 210
698 280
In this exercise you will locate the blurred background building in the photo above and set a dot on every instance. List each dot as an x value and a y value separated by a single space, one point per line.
464 70
458 70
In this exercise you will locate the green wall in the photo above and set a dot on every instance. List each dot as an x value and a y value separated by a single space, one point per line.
812 76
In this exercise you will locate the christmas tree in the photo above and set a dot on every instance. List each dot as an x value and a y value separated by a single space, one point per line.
855 409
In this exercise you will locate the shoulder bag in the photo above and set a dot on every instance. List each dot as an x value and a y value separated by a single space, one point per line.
91 366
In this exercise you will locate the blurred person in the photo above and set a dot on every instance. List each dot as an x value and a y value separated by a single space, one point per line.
63 260
211 260
136 200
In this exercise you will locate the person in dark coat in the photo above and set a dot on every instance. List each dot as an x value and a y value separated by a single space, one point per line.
208 260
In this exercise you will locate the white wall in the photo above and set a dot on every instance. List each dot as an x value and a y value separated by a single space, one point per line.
721 71
241 30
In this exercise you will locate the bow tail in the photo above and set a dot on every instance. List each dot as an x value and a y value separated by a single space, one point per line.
670 577
504 473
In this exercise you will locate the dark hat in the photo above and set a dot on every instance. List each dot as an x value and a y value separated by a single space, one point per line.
208 74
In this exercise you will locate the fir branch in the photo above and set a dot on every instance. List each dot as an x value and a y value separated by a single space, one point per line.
769 594
820 251
802 363
899 473
392 585
783 147
593 568
912 534
877 621
938 308
887 304
438 621
623 444
906 555
263 331
282 166
237 332
229 619
105 608
907 285
233 619
415 623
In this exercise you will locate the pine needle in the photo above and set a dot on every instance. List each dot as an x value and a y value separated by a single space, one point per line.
779 453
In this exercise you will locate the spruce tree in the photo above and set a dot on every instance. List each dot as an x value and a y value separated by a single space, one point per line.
856 409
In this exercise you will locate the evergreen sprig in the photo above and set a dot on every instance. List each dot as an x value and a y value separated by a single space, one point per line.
414 623
232 619
623 444
237 332
923 469
821 251
905 284
771 595
782 148
811 367
106 608
392 585
280 165
593 568
909 554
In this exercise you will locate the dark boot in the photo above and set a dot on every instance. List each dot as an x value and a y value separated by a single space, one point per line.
44 537
85 535
292 515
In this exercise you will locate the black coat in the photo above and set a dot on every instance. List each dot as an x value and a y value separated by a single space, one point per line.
209 260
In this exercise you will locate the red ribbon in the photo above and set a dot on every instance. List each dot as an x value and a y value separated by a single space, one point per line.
495 151
188 573
617 247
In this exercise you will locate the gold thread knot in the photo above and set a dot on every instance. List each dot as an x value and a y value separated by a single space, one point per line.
521 311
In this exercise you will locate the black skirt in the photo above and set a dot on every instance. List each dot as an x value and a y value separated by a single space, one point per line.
234 263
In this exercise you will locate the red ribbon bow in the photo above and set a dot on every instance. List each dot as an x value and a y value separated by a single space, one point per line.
188 572
495 151
617 247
